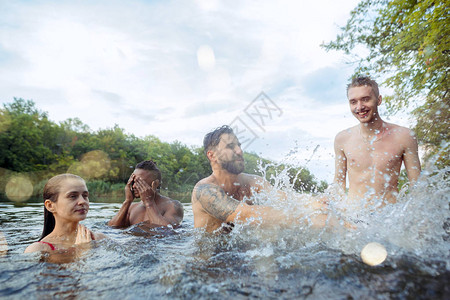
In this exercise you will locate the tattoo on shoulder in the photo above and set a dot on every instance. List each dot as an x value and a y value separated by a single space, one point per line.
215 201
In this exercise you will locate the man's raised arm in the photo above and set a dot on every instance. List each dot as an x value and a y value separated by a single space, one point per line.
121 219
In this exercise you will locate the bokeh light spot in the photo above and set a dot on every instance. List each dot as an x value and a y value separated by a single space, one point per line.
19 188
93 164
373 254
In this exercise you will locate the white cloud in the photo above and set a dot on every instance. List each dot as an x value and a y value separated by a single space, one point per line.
205 57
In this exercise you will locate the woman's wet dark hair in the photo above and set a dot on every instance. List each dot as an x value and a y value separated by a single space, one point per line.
51 192
212 138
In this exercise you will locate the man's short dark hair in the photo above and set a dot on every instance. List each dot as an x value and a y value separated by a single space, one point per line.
150 165
363 80
212 138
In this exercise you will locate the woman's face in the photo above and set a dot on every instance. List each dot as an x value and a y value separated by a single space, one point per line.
73 201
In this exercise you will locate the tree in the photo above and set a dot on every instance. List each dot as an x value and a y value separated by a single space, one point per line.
408 43
30 143
26 138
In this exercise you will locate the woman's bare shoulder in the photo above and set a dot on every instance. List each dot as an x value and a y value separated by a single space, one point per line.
37 246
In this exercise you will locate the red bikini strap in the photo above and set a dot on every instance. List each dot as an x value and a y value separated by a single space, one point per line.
51 246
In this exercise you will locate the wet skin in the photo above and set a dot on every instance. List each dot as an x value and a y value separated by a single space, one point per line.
372 152
71 207
223 198
154 208
217 197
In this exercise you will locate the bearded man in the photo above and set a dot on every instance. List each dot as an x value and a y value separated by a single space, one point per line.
224 197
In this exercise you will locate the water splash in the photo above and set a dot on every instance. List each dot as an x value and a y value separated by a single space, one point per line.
416 225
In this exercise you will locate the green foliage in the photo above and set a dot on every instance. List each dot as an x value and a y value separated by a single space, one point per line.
408 43
32 144
26 138
402 179
103 189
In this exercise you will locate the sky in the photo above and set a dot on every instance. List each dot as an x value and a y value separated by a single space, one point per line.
178 69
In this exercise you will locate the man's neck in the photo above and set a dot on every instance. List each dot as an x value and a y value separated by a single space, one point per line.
226 180
372 128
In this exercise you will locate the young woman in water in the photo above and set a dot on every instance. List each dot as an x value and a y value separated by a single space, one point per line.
66 203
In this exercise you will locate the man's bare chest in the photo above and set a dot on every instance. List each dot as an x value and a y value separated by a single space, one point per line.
138 213
382 156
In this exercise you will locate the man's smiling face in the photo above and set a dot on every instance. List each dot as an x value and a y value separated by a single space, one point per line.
363 103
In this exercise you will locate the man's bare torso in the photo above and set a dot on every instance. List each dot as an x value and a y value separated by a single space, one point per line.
374 166
137 211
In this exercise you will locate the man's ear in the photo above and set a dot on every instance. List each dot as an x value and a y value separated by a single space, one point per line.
210 155
49 205
379 100
155 184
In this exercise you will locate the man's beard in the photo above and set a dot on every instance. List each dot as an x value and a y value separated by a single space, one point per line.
233 166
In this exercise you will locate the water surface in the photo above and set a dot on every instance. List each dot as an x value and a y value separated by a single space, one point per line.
251 262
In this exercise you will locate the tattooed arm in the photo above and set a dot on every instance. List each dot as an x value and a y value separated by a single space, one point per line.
212 207
215 201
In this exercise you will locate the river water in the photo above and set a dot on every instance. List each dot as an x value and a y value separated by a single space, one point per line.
252 262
